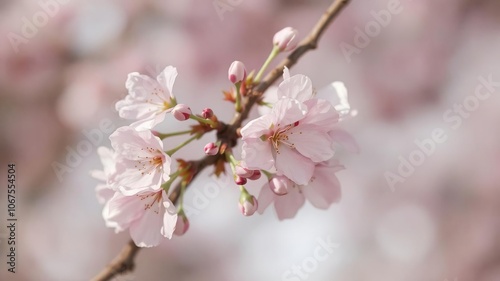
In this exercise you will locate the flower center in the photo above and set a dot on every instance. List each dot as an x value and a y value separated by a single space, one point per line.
281 136
151 199
150 163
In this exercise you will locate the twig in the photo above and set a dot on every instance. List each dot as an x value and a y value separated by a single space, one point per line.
124 262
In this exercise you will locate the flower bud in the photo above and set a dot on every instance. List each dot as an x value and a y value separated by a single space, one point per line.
207 113
284 39
248 204
181 112
236 72
255 176
279 185
211 148
243 172
240 180
182 225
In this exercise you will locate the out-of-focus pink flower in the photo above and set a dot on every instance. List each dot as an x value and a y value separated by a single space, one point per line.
211 148
148 215
141 162
236 72
243 171
240 180
322 191
248 204
284 39
148 100
292 138
181 112
255 176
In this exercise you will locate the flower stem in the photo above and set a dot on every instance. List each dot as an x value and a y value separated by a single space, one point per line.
272 55
167 184
175 149
237 103
268 174
164 136
203 120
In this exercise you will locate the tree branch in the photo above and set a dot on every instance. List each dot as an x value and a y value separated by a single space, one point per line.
228 134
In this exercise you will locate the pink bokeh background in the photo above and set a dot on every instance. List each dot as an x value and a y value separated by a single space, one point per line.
441 223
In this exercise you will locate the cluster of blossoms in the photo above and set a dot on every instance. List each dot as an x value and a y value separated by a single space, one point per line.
292 144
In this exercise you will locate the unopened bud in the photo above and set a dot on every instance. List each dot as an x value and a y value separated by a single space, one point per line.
279 185
211 148
243 172
255 176
207 113
181 112
236 72
240 180
284 39
248 204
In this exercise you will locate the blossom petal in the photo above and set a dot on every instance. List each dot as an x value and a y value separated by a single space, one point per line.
167 78
289 204
321 113
311 142
344 139
287 111
294 165
297 87
257 127
146 231
324 188
265 198
169 218
257 154
336 94
122 210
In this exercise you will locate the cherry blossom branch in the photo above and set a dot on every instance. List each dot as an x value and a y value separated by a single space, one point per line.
228 133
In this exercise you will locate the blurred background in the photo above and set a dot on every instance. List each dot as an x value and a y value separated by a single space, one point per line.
63 65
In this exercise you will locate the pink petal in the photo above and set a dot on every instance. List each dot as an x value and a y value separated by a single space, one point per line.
311 142
167 78
257 127
257 154
288 205
293 165
146 231
287 111
324 188
345 140
297 87
122 210
265 198
169 218
321 113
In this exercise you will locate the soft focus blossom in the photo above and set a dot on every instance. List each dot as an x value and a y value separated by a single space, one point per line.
148 100
284 39
149 216
279 185
182 225
105 191
322 190
236 72
207 113
141 162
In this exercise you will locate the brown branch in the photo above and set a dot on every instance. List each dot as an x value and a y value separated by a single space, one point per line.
124 262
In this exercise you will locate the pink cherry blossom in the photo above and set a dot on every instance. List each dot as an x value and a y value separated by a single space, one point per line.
322 191
104 190
148 100
148 215
141 162
284 39
292 138
248 205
